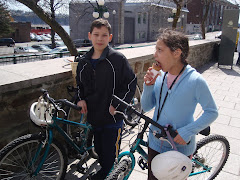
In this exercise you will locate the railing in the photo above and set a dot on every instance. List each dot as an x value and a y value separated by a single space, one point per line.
23 58
15 59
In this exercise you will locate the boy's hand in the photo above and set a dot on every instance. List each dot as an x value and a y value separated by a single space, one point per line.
112 110
83 104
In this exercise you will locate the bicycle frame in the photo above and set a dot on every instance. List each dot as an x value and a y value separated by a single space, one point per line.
133 149
136 146
49 139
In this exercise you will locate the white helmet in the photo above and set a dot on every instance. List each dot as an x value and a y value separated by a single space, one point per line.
41 112
171 165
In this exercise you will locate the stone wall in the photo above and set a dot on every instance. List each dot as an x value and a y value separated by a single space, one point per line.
20 84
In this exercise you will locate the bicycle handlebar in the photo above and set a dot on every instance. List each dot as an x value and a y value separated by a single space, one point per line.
173 133
63 101
149 120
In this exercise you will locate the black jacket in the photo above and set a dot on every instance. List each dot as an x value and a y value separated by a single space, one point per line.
112 75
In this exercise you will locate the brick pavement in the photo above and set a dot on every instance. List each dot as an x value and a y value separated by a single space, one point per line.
224 84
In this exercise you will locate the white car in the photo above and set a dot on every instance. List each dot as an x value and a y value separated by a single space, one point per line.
45 38
219 35
197 37
25 50
41 48
59 49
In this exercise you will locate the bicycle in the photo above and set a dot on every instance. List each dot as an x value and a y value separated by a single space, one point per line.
129 119
42 156
208 159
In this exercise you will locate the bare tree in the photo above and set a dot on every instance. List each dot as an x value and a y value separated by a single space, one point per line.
206 4
179 4
38 9
52 7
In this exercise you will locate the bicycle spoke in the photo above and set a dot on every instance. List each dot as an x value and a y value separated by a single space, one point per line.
22 160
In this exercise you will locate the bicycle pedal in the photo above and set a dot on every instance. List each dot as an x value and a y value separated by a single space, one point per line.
142 163
81 170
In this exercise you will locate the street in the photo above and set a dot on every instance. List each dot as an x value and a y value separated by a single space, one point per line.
8 51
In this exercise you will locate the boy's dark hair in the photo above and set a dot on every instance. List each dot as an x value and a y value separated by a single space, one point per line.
98 23
174 40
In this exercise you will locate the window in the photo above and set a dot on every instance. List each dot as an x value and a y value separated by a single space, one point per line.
139 18
138 35
143 35
144 18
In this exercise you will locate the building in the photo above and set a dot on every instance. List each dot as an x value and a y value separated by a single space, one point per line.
137 21
214 18
21 31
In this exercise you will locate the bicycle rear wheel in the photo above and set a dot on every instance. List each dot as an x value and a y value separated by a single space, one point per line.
133 119
212 152
18 160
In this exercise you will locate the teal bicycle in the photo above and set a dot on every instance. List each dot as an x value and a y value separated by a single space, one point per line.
45 155
208 160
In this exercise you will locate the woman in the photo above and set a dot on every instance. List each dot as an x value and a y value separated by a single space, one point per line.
175 95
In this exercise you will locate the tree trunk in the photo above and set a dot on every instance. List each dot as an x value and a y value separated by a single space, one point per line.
207 5
51 22
177 15
52 31
203 29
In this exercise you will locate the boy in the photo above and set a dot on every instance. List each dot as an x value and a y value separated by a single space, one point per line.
102 72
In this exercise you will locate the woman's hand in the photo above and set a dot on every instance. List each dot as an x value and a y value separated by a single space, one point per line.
178 139
82 104
148 78
112 110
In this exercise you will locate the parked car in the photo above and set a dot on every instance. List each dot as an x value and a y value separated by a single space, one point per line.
47 35
59 43
197 37
7 42
59 49
35 37
218 35
45 38
32 36
41 47
21 49
82 42
57 37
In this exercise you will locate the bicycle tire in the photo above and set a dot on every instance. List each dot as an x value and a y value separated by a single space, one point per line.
16 159
120 170
212 151
133 119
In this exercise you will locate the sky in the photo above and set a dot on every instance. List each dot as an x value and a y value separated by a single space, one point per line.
17 6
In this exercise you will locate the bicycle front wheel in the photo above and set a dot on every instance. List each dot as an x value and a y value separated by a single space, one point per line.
18 159
211 154
120 170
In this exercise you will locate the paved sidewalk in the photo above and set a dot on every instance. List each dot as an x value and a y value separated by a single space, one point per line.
224 84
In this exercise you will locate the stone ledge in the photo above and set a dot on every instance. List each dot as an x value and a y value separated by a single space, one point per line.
18 76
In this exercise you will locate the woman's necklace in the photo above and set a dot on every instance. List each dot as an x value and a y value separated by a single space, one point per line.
159 111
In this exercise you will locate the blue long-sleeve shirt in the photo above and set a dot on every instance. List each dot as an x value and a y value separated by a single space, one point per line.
179 108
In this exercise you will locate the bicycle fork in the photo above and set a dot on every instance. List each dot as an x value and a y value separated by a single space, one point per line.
43 145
